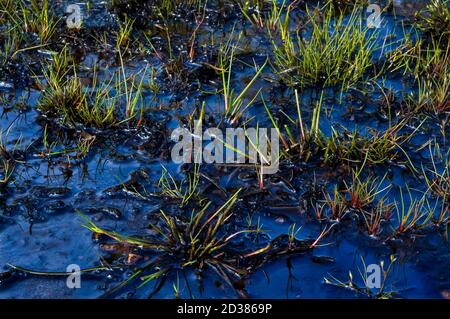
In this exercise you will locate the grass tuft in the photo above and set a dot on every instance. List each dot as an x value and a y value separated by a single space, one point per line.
438 180
183 191
97 105
8 162
361 194
413 216
429 65
234 106
434 20
197 242
337 52
366 288
342 147
33 17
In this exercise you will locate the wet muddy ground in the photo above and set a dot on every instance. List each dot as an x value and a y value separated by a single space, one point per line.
288 240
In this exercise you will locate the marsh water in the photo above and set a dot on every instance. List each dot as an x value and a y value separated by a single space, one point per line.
41 229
